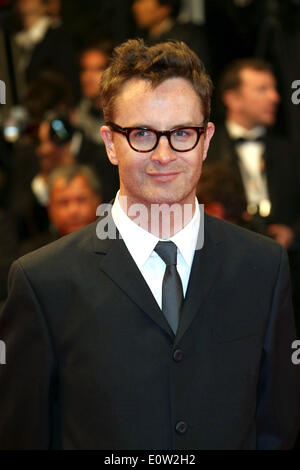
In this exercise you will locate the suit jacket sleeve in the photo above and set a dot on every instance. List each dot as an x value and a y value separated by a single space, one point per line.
27 378
278 405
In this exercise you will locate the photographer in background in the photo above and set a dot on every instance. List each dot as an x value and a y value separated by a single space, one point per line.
50 140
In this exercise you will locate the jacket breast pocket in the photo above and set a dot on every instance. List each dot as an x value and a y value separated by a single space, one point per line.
237 351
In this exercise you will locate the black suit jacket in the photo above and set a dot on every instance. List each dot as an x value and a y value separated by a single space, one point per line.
280 174
91 362
55 52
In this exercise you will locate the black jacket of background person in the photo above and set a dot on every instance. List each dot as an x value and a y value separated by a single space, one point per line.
283 185
55 52
91 362
280 174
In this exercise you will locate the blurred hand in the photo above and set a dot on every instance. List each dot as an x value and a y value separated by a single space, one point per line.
282 234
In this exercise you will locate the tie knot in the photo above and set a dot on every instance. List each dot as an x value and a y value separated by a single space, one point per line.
167 251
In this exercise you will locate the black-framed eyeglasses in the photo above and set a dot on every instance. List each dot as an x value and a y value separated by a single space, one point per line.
144 139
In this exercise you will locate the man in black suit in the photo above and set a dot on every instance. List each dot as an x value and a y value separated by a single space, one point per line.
261 160
41 44
158 19
133 333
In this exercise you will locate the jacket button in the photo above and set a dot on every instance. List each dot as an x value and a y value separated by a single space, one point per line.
181 427
177 355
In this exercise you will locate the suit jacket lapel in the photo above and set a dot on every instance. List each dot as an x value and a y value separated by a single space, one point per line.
117 263
205 268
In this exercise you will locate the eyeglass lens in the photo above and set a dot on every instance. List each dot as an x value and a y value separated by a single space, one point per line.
181 139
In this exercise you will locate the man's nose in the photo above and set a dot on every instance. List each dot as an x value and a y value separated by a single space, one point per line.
163 153
73 210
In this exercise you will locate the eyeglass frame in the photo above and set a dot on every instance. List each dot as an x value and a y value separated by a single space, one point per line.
126 131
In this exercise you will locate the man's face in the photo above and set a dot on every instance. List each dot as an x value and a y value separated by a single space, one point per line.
72 205
162 175
148 13
257 97
92 66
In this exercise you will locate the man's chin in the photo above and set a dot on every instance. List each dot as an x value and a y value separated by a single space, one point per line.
168 198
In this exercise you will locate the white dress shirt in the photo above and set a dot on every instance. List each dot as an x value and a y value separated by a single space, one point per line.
141 243
251 162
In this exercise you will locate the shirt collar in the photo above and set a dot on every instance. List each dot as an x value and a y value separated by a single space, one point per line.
141 243
235 131
35 34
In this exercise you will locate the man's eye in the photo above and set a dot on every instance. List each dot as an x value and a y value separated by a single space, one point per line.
182 133
141 133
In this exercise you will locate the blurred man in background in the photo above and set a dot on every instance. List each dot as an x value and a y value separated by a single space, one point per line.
93 61
40 43
74 195
158 20
260 159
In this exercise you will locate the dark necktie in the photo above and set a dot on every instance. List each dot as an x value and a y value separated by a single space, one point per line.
172 293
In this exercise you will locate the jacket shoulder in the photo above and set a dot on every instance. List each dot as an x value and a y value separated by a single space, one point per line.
237 238
63 251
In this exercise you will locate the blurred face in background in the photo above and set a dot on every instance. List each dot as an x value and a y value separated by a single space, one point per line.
148 13
92 65
49 154
256 100
72 204
31 7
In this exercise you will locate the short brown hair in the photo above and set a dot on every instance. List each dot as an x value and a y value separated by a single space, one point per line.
70 172
133 59
231 77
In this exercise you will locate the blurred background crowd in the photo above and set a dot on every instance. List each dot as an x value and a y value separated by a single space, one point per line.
53 167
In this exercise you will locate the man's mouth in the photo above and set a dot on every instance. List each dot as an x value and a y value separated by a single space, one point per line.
163 176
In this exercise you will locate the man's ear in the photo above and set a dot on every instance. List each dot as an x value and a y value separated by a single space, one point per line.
209 132
106 135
